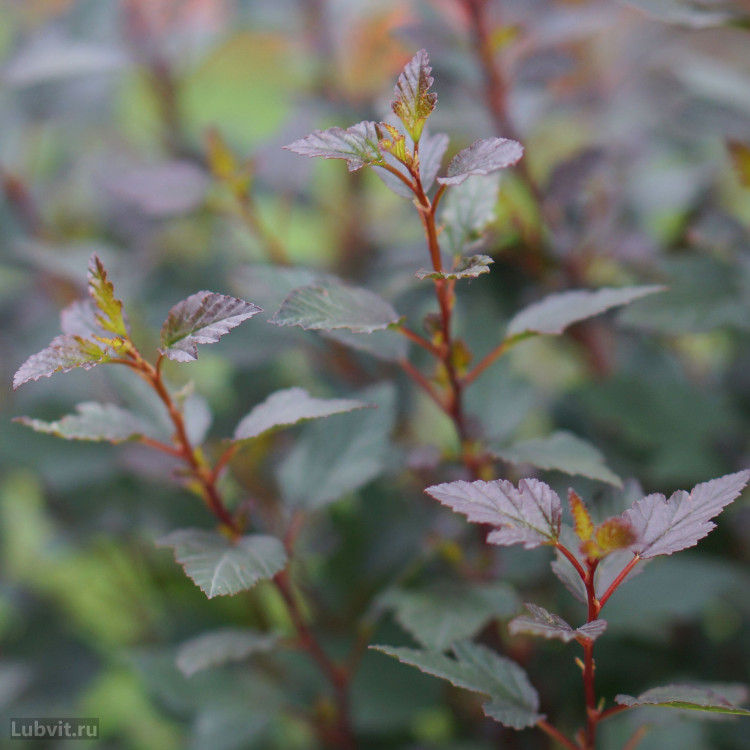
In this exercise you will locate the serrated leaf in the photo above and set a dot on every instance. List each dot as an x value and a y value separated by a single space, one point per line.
63 354
219 647
110 316
331 305
221 567
663 526
414 102
468 209
201 318
288 407
529 515
93 421
691 697
358 145
333 458
561 451
482 157
555 313
467 268
513 701
446 612
547 625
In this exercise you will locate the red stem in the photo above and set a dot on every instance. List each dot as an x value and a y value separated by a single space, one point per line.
620 578
420 341
337 676
424 384
556 735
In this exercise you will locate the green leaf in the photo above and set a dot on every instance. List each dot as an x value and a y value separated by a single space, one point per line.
467 268
102 291
467 210
220 647
432 148
547 625
414 102
64 353
94 421
336 457
561 451
220 567
288 407
388 344
202 318
358 145
529 515
513 701
555 313
446 612
331 305
719 699
482 157
704 294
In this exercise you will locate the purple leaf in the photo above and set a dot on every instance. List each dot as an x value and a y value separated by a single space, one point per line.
547 625
482 157
64 353
358 145
288 407
414 103
202 318
665 526
529 515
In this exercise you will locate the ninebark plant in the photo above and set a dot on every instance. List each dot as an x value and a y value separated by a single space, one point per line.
592 560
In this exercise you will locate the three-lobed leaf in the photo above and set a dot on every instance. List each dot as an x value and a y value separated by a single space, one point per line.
482 157
288 407
201 318
715 699
221 567
414 102
663 526
542 623
561 451
528 515
357 145
513 700
330 305
555 313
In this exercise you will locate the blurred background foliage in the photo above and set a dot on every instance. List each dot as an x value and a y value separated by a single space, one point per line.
636 121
